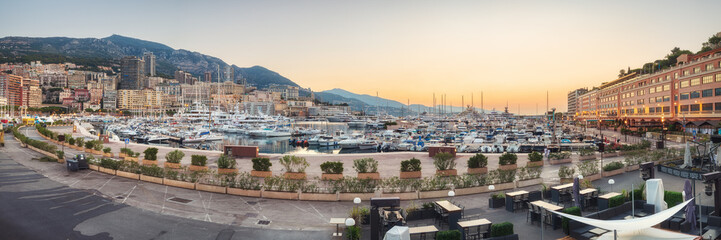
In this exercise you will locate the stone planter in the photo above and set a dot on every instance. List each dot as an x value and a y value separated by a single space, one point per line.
122 155
593 177
331 176
410 175
93 167
130 159
243 192
496 202
197 168
482 170
227 170
534 164
108 155
294 175
375 176
328 197
351 196
98 152
130 175
171 165
150 162
632 168
434 194
560 161
446 173
210 188
508 167
505 186
529 182
177 183
280 195
587 157
106 170
151 179
89 150
471 190
402 195
261 174
614 172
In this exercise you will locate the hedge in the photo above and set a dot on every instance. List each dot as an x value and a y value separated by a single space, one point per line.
672 198
612 166
616 201
448 235
576 211
502 229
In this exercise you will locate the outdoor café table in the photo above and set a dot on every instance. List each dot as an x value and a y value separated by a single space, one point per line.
556 191
399 217
547 206
603 200
510 197
423 230
598 231
337 222
471 223
454 213
585 192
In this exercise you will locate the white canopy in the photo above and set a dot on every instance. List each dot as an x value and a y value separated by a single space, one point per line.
654 194
633 224
398 233
686 157
648 234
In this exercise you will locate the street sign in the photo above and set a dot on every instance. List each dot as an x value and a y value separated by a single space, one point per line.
127 140
694 133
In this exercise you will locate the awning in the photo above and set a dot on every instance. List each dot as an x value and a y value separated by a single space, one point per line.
634 224
648 233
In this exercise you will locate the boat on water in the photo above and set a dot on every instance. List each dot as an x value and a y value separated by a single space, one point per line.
368 144
270 132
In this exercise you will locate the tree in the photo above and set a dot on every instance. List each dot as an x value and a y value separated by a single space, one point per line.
621 73
714 40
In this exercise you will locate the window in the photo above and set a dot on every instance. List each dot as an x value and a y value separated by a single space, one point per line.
707 79
709 67
697 70
707 107
666 109
717 92
695 94
695 81
666 98
651 110
718 77
641 110
651 100
707 93
684 108
652 90
684 84
675 85
675 75
685 73
667 87
667 77
694 107
659 99
717 106
659 88
684 96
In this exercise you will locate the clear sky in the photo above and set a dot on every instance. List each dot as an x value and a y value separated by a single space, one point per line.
513 51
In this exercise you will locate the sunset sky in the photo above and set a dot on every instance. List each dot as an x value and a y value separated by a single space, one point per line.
513 51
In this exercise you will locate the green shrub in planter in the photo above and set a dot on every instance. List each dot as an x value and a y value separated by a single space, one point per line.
224 161
448 235
79 141
198 160
478 161
70 140
576 211
106 150
353 233
174 156
60 154
672 198
365 165
110 163
411 165
507 159
499 195
444 161
332 167
98 145
535 157
616 201
90 144
294 164
152 154
502 229
261 164
566 172
612 166
152 171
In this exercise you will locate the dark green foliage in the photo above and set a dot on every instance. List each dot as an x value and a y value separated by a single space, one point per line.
224 161
535 157
110 163
32 142
502 229
448 235
261 164
152 154
411 165
152 171
444 161
612 166
353 233
507 159
332 167
478 161
672 198
616 201
576 211
198 160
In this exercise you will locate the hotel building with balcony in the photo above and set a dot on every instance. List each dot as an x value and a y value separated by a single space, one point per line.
686 95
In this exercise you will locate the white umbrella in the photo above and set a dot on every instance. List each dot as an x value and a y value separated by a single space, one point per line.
686 157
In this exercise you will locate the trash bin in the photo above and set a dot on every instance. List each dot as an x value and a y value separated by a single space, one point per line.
659 145
72 165
82 162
